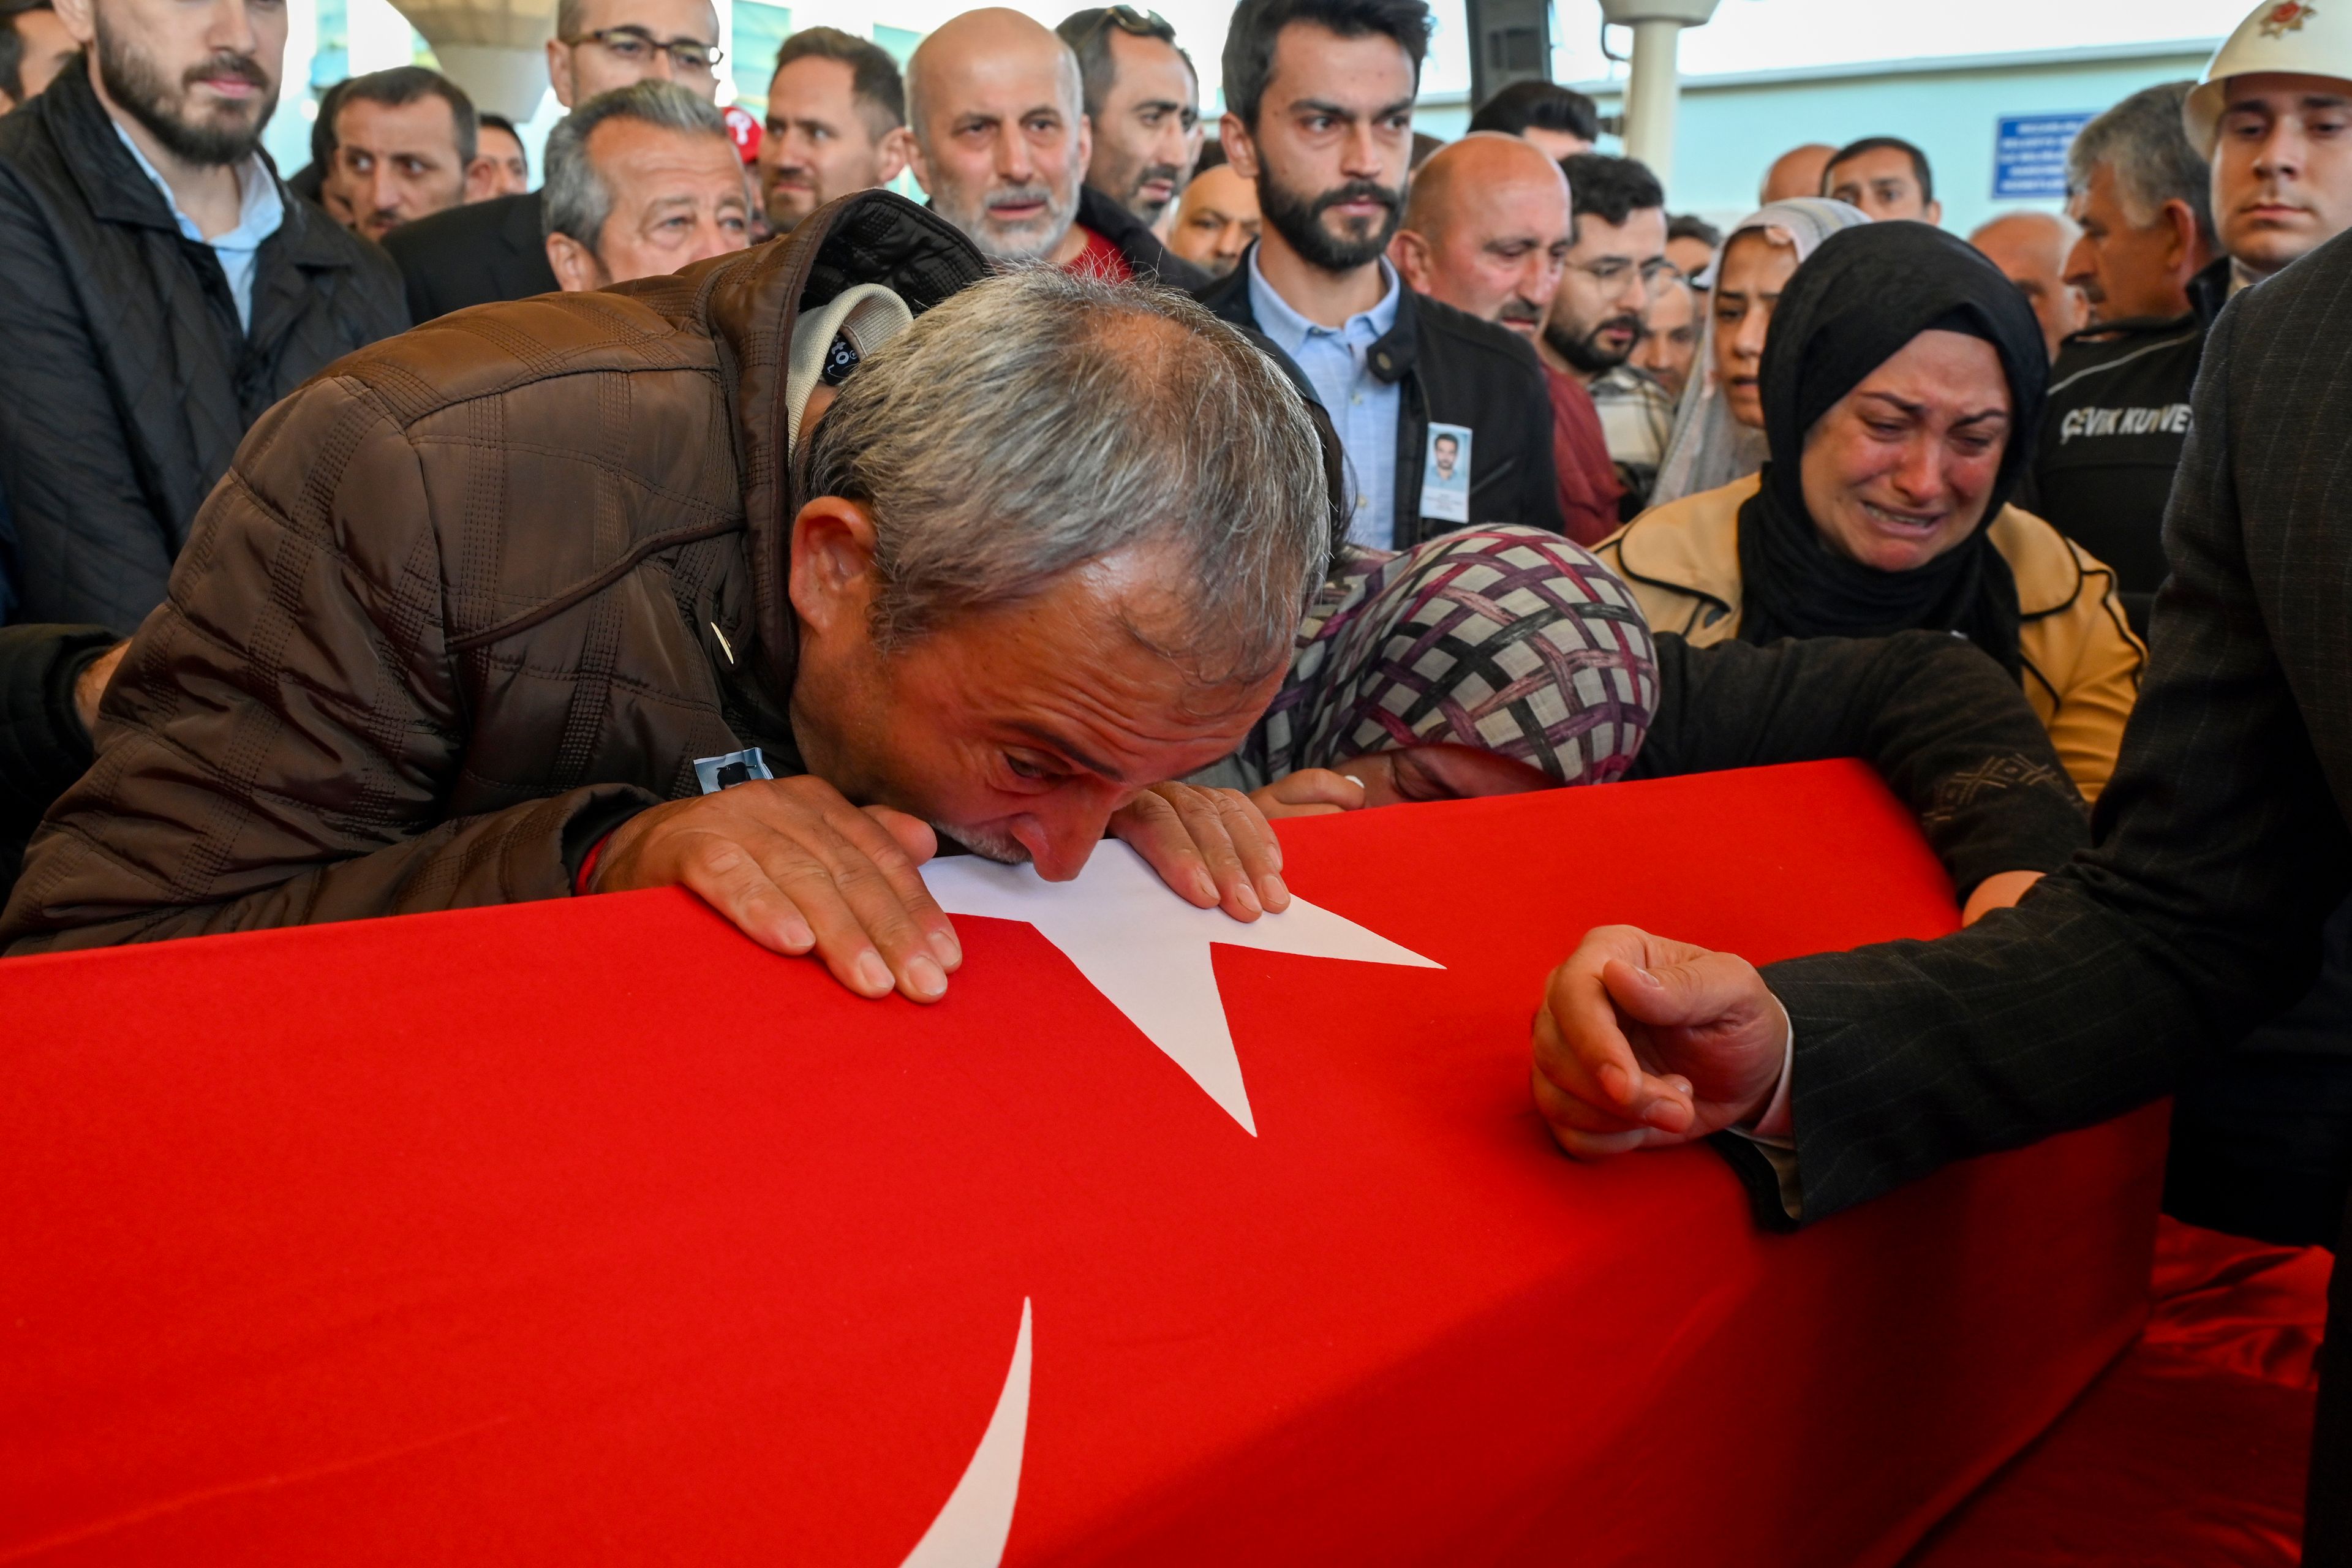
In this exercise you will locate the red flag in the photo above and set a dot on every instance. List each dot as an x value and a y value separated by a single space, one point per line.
588 1231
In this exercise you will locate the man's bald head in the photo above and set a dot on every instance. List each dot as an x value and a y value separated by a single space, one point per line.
1456 175
1795 172
2032 250
1487 229
986 47
1000 142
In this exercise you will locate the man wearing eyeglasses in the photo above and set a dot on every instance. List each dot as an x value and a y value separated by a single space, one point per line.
497 249
1318 116
1144 103
1618 256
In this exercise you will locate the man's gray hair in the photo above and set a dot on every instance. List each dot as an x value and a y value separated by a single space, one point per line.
578 201
1036 422
2143 141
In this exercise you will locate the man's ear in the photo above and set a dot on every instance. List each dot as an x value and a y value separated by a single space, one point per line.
481 178
832 578
559 70
892 154
1935 212
76 16
576 266
917 164
2184 253
1240 151
1408 254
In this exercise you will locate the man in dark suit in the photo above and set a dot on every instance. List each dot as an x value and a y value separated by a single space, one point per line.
2222 845
497 249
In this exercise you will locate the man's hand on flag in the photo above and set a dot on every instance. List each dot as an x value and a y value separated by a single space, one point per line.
797 868
1642 1042
1213 847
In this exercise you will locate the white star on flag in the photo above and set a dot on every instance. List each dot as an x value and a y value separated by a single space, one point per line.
1147 950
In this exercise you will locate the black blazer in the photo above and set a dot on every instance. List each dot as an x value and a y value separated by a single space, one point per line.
1451 368
126 378
474 254
2222 843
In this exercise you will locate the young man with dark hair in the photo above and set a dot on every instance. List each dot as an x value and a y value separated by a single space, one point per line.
1886 177
33 48
158 291
1319 115
1618 258
404 147
1691 244
1144 103
1559 120
497 249
836 124
501 167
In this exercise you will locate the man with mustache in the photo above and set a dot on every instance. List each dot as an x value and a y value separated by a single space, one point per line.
1486 231
406 145
497 249
1318 97
1002 144
1618 257
2145 263
836 124
158 291
1143 105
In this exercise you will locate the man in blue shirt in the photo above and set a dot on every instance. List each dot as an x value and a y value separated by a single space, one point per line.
1319 117
158 291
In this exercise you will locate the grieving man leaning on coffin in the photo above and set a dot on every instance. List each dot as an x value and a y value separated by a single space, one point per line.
475 617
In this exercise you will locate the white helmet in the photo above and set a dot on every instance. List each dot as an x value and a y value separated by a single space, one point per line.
2292 36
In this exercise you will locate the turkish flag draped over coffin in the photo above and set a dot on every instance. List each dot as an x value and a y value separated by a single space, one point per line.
587 1231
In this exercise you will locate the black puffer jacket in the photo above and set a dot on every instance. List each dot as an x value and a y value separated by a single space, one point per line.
126 380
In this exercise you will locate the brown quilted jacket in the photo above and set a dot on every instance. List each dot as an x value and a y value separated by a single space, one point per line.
464 602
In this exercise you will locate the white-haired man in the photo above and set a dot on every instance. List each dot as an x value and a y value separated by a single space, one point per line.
641 181
497 249
721 582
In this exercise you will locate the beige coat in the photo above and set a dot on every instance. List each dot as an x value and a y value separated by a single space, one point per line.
2082 661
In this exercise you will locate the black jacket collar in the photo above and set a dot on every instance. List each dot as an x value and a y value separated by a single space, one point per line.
1392 357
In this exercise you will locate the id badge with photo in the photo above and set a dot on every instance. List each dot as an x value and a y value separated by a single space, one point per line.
1445 474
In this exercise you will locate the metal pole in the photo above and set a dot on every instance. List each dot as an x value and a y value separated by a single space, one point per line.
1652 95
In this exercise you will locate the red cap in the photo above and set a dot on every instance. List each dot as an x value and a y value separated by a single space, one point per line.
742 125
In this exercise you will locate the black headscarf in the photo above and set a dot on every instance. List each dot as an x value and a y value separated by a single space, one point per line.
1850 308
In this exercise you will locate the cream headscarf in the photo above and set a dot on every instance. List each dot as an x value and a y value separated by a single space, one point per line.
1709 447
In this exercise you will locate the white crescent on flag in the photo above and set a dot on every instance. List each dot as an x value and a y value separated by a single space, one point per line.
1148 950
971 1526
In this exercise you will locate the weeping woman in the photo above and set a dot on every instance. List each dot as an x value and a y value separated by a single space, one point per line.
1901 383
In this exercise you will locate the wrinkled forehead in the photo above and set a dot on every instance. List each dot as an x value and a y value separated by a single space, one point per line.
1006 80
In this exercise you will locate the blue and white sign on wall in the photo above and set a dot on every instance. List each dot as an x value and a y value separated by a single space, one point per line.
2029 156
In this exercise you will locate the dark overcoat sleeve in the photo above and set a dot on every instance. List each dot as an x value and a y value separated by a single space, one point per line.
89 547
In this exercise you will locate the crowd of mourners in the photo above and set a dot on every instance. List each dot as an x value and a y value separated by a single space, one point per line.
399 535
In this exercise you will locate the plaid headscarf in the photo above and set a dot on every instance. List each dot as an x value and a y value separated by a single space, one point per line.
1509 639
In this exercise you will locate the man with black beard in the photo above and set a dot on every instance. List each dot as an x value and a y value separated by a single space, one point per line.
159 290
1318 97
1619 256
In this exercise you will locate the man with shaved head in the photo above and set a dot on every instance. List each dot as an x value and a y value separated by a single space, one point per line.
2031 249
1000 143
1488 230
1795 172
